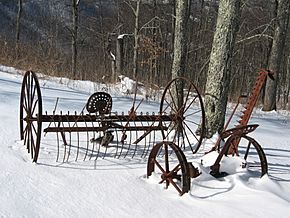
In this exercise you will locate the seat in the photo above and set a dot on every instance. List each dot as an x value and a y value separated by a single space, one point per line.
99 102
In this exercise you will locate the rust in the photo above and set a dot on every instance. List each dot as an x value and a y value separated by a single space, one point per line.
235 135
99 129
163 136
252 100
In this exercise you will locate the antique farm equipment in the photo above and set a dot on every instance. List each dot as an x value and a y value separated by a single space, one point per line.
234 136
167 136
99 132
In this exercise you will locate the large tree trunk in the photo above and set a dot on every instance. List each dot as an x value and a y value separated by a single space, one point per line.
277 53
218 77
180 38
179 52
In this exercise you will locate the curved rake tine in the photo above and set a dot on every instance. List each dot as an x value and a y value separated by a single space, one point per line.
129 145
145 140
151 142
57 138
99 147
117 144
93 148
105 152
63 138
87 148
136 132
70 141
78 142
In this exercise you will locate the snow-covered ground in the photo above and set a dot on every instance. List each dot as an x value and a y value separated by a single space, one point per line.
113 187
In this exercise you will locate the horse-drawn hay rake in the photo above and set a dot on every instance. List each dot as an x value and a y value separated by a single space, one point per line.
164 136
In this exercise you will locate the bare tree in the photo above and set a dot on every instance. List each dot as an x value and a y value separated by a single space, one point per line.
180 38
218 78
19 13
75 16
277 52
136 12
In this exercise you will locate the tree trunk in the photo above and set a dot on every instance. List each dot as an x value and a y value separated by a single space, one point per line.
75 4
179 52
277 52
119 56
180 38
19 13
217 85
136 39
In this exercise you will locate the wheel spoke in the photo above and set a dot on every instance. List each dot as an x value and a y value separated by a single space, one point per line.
193 100
28 92
159 166
34 107
34 129
247 151
168 105
185 124
25 135
28 139
33 92
191 114
186 98
173 128
173 102
175 185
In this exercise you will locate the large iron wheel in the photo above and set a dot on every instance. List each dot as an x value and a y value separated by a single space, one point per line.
182 100
172 169
31 114
248 149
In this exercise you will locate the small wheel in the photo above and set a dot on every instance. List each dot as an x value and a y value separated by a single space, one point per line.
187 127
252 163
255 161
31 114
173 169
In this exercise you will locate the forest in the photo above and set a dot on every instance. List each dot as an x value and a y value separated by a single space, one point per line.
99 40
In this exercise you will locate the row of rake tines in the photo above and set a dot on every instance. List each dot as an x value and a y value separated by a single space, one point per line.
123 144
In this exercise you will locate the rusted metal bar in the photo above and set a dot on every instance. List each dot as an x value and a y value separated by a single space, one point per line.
104 128
105 118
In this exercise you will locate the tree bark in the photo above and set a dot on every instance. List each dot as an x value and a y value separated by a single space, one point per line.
277 52
75 4
180 45
19 14
136 39
119 56
218 78
180 38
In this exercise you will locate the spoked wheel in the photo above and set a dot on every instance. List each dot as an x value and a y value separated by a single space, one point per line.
173 169
248 149
182 100
31 114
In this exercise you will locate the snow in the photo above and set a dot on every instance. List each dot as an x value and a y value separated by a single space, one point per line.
113 187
